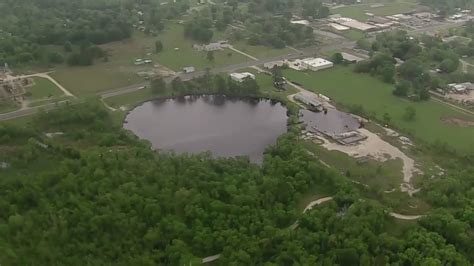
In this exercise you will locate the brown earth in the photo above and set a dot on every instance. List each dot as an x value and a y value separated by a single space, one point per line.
457 122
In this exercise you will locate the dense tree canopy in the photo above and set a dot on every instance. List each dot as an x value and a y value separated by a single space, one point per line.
99 196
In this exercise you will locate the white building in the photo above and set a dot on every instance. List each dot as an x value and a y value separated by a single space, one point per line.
189 69
316 64
461 87
271 65
352 23
338 27
240 77
351 58
213 46
300 22
308 100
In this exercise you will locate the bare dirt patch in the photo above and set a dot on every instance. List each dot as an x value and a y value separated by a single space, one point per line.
380 150
457 122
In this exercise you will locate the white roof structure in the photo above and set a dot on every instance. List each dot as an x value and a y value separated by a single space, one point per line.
338 27
352 23
272 64
307 99
300 22
316 62
241 76
189 69
351 57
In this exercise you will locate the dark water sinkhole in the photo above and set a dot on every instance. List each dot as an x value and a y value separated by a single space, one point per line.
225 126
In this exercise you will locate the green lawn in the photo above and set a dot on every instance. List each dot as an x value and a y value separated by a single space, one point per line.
260 51
358 11
178 52
47 101
7 106
43 89
349 88
130 98
83 81
354 35
118 71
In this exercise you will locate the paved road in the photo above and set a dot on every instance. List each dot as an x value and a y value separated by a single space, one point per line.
309 51
28 111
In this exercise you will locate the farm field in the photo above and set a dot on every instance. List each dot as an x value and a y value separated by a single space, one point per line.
43 89
358 11
347 88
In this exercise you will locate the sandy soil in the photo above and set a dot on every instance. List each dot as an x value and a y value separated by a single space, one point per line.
457 122
378 149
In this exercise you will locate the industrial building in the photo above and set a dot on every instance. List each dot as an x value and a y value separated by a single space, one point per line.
310 102
189 69
213 46
271 65
352 23
316 64
460 87
241 77
351 58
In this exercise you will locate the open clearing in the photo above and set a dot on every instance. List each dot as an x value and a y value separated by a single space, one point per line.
261 51
8 106
358 11
43 89
345 87
178 52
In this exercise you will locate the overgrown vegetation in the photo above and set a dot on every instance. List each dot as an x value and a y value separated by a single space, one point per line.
116 201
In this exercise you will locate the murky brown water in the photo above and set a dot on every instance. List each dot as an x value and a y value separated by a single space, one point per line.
225 126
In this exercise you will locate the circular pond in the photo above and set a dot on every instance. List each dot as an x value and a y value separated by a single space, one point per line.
225 126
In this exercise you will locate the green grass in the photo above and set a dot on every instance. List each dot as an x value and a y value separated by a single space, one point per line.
7 106
185 55
358 11
348 88
260 51
43 89
354 35
47 101
119 71
83 81
130 98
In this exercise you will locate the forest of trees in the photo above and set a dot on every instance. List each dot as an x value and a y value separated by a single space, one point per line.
28 26
115 201
416 65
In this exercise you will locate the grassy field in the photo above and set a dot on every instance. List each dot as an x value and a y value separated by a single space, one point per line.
117 72
83 81
43 89
7 106
178 52
260 51
358 11
348 88
354 35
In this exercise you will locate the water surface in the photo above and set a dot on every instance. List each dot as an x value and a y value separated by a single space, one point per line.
225 126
